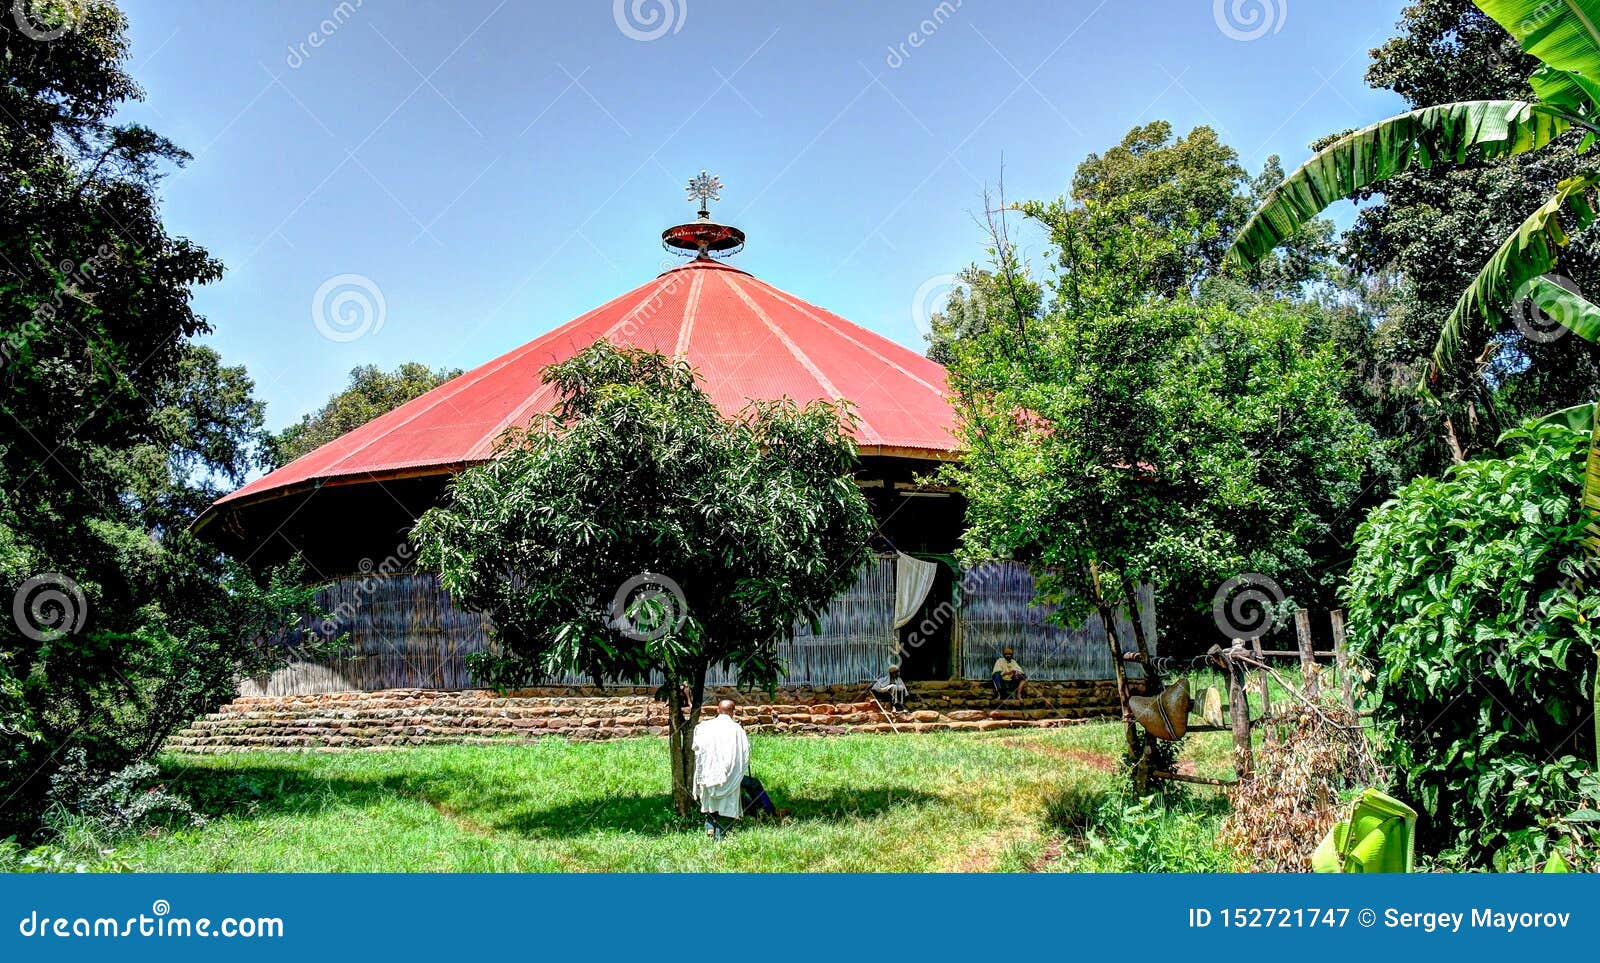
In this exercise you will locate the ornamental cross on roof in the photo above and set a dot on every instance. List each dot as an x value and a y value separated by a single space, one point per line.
707 188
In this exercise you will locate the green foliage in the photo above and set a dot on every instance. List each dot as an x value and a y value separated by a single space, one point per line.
736 527
1449 133
1172 443
372 392
117 429
1155 835
1469 596
1529 253
1436 229
1151 219
130 800
1139 413
758 520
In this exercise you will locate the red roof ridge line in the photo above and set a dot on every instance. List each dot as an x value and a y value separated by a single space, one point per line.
805 309
690 303
800 356
484 446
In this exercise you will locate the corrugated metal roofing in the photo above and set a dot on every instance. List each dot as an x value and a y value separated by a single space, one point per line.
747 339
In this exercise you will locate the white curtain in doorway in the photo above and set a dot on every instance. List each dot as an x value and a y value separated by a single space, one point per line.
913 578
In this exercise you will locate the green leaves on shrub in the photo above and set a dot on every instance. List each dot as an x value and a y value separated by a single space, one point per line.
1468 595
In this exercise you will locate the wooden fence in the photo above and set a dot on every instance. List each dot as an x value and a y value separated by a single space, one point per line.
1249 666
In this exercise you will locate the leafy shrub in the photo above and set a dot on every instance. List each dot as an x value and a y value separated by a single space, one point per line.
1467 596
1155 834
128 801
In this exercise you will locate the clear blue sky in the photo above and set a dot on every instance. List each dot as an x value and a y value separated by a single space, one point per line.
496 168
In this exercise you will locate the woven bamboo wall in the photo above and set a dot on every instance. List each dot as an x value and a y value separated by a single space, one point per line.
997 610
405 632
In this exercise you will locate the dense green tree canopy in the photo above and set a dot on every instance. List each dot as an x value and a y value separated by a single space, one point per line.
372 392
1138 410
1437 227
634 531
1169 443
116 427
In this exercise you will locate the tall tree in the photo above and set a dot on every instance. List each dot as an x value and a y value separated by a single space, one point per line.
115 425
634 532
1562 38
1437 225
372 392
1147 220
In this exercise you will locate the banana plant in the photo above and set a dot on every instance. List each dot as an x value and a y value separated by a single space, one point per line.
1564 35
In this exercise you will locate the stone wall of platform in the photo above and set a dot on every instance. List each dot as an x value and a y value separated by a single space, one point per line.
342 721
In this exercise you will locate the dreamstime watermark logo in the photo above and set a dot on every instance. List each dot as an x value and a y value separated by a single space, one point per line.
1246 606
940 15
348 307
158 922
49 607
933 296
43 21
648 607
649 19
1531 320
340 15
1249 19
1540 15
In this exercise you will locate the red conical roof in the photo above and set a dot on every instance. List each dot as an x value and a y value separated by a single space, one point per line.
745 338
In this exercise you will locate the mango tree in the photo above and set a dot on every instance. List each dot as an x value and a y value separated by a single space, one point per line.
635 532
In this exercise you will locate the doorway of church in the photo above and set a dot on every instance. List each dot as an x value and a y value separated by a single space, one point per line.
927 641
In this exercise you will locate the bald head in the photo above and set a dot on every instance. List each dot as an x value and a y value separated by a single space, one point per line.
726 707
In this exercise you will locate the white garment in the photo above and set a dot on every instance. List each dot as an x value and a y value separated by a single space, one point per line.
1007 668
721 758
913 578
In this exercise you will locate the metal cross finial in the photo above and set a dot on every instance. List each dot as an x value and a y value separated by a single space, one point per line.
706 187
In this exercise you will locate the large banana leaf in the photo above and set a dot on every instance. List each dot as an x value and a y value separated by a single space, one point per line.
1576 313
1512 273
1565 34
1564 89
1450 133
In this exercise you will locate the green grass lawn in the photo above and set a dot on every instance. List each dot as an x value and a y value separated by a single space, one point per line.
935 802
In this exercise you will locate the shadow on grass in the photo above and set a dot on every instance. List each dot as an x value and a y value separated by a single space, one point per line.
463 797
653 815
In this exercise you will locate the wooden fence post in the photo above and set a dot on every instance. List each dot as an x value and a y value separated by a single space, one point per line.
1308 657
1263 686
1341 659
1239 714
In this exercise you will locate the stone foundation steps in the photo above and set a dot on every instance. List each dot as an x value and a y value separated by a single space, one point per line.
350 721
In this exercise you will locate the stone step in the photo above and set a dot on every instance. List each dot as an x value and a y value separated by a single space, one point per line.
357 721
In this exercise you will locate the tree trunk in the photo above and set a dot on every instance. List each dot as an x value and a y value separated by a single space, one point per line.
681 720
1130 728
1457 455
1152 674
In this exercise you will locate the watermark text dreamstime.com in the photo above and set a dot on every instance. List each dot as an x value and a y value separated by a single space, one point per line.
158 923
337 17
900 53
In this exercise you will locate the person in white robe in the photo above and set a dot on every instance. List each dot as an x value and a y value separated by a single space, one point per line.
721 759
1008 678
